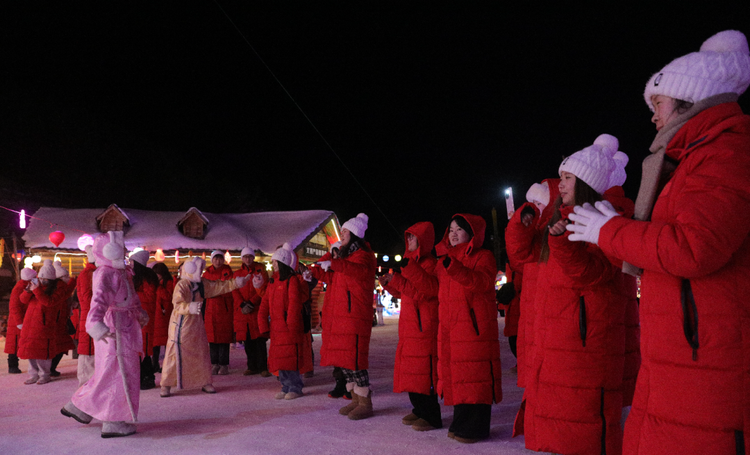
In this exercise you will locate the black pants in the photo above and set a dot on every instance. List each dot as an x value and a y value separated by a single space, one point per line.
12 361
219 353
147 370
513 342
257 356
471 421
155 358
426 407
56 361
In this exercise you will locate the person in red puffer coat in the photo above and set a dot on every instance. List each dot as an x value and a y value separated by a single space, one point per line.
145 282
574 389
84 290
65 341
469 368
415 369
282 304
246 303
219 315
690 239
347 318
163 312
523 242
16 313
40 341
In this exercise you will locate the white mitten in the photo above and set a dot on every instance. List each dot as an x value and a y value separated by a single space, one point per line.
324 265
143 318
257 281
195 307
589 221
307 275
241 281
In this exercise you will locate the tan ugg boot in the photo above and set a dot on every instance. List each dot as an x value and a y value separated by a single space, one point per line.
364 406
354 403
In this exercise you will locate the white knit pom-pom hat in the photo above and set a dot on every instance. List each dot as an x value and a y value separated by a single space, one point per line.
47 271
28 274
594 164
721 66
538 192
357 225
286 255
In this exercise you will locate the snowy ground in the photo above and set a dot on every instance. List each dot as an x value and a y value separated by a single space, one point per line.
243 417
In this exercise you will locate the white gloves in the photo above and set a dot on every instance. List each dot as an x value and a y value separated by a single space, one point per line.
143 318
257 281
195 307
241 281
20 326
307 275
324 265
589 221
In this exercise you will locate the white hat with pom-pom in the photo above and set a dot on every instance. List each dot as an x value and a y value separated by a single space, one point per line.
594 164
721 66
357 225
286 255
47 271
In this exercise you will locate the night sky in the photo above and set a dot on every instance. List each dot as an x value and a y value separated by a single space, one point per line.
410 111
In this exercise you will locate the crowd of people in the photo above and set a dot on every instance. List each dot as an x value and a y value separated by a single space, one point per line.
670 367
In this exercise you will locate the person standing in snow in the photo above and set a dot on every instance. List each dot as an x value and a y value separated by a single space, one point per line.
46 298
84 289
145 282
469 371
282 303
163 311
16 313
347 321
219 315
574 388
246 303
690 240
114 322
187 362
415 369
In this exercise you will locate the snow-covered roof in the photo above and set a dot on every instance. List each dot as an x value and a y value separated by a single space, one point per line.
151 229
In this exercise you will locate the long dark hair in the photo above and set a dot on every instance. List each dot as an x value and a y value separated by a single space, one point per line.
51 287
583 193
344 250
162 273
141 274
284 271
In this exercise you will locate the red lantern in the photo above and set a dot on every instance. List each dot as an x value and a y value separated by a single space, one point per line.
56 238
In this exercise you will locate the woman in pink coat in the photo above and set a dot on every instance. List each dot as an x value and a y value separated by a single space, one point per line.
114 322
690 239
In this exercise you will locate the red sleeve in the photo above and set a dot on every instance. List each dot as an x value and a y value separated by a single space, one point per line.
422 276
361 266
585 264
475 279
520 240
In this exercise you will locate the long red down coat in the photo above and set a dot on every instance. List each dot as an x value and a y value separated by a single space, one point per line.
347 313
84 291
244 323
147 295
41 336
290 345
415 369
469 349
219 310
523 245
693 389
574 390
163 311
16 312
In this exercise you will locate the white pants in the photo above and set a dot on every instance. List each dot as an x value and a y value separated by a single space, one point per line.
85 368
40 368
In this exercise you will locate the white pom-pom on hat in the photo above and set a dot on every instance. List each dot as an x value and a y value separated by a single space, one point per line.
357 225
140 257
28 274
609 143
47 271
593 164
286 255
721 66
60 271
618 175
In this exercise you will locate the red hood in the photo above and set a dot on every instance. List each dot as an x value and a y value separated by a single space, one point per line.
425 233
705 127
623 205
477 224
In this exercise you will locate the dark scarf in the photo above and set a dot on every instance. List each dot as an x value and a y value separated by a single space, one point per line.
658 168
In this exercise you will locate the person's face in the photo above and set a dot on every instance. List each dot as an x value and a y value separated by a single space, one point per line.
275 264
248 259
346 236
567 188
411 242
457 235
664 110
217 261
540 206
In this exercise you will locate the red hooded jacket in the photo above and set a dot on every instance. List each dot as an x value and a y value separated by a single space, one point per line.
244 323
163 311
415 369
290 345
40 335
693 389
84 290
347 313
469 349
219 310
17 310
